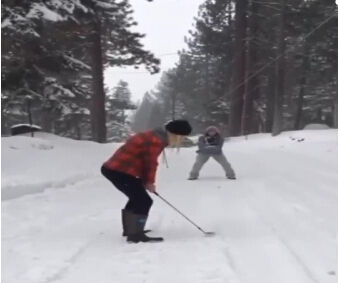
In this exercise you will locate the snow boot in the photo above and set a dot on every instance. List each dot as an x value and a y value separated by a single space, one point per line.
135 229
124 222
192 178
124 214
231 177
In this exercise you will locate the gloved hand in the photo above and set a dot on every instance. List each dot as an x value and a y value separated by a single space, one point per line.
151 188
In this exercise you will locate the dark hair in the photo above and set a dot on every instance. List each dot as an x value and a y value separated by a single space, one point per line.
179 127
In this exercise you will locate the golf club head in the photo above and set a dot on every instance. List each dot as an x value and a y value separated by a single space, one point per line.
209 234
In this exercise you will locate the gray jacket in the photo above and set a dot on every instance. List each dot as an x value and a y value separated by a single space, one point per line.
210 144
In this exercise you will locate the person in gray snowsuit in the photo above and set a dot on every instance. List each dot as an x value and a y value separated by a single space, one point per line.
210 145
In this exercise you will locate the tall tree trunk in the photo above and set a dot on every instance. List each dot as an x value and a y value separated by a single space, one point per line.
77 122
335 101
270 99
251 88
319 115
335 114
207 91
4 119
47 119
277 126
30 118
300 100
302 84
238 86
98 113
173 105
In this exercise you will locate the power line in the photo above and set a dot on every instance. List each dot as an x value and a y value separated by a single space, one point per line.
282 54
130 73
259 70
167 54
159 55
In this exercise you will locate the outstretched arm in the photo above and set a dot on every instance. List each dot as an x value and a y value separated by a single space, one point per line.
201 143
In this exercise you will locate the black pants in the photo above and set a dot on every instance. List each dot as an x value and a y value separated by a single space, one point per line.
139 201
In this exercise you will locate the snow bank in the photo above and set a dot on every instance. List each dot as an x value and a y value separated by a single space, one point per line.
316 127
32 164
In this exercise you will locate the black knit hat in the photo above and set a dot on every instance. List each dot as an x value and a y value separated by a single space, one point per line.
178 127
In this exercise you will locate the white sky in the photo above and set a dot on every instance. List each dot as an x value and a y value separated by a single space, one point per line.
165 23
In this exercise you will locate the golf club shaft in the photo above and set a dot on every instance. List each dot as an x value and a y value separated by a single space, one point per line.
193 223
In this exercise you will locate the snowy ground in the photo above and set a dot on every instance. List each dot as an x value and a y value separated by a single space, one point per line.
278 223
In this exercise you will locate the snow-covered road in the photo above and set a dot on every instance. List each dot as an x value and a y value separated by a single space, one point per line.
278 223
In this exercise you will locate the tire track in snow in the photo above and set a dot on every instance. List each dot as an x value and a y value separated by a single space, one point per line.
63 271
294 254
231 261
251 203
255 249
201 261
221 251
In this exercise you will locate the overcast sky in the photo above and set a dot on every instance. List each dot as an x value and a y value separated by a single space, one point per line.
165 23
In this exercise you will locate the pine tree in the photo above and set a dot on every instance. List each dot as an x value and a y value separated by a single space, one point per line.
112 44
238 88
118 101
33 64
141 119
277 126
311 85
54 56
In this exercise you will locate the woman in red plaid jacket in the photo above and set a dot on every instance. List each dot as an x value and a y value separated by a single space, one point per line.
132 170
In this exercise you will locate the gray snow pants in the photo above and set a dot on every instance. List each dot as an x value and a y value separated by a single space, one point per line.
201 159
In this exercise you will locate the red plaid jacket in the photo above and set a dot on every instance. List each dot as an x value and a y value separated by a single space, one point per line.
138 156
